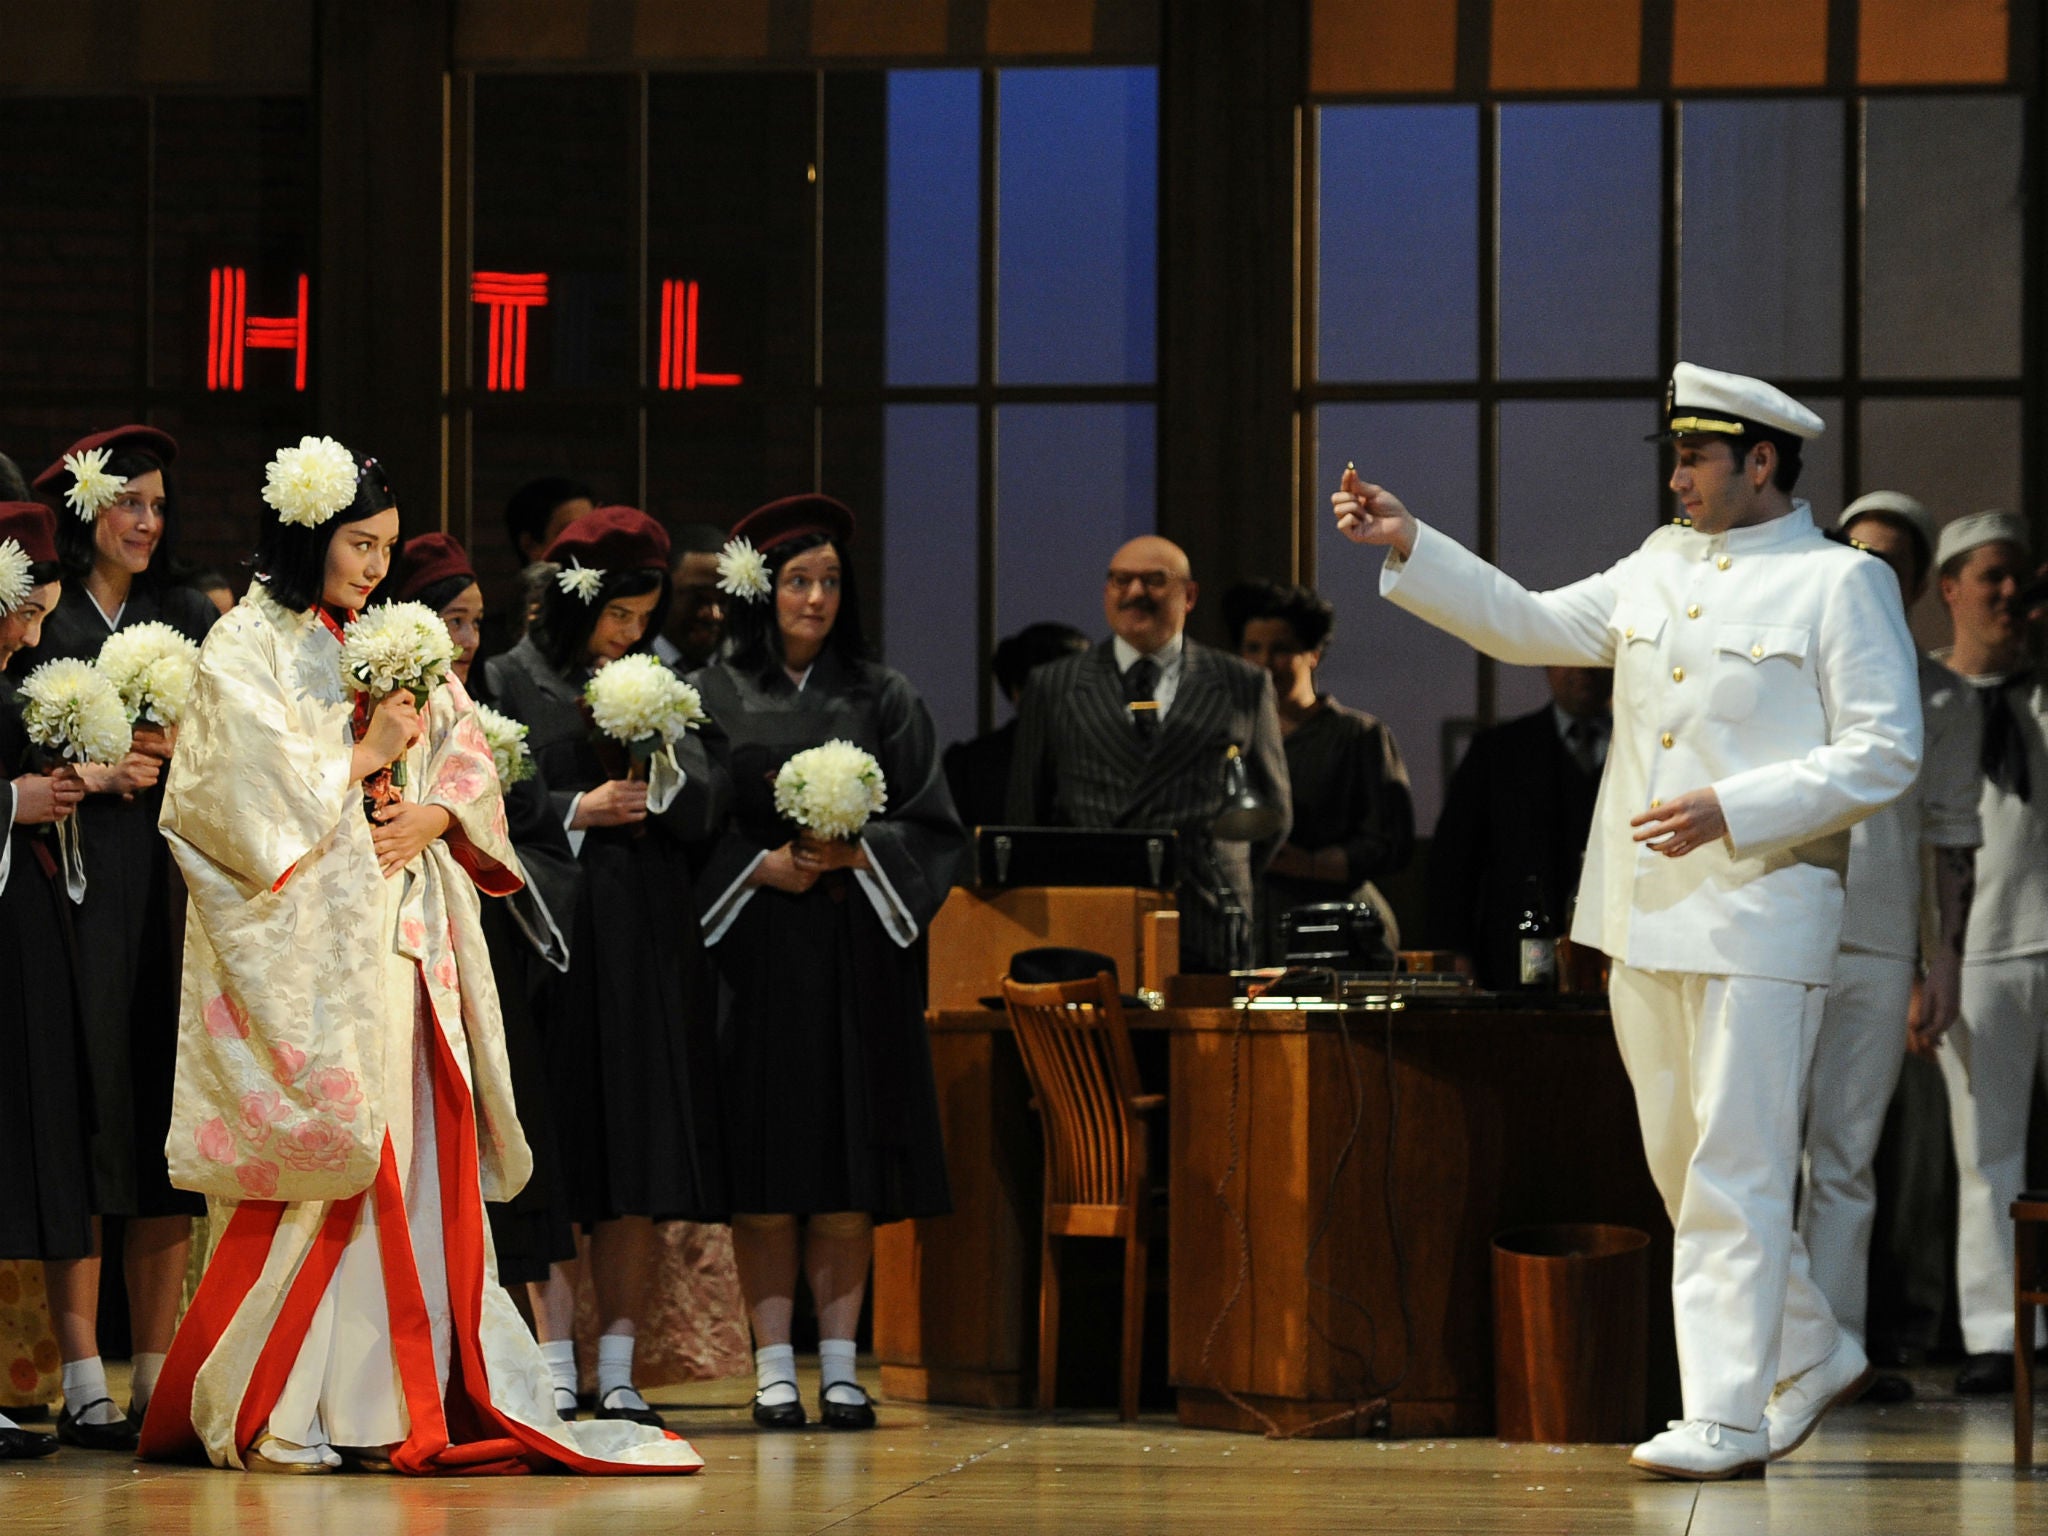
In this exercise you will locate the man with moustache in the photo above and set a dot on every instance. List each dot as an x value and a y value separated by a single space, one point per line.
1996 1049
1136 734
1764 702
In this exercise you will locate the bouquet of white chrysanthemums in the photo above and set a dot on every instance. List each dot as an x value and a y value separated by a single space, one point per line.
152 667
642 705
831 790
506 738
71 709
396 646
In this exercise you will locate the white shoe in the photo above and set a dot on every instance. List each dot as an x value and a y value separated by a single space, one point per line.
1702 1451
1798 1406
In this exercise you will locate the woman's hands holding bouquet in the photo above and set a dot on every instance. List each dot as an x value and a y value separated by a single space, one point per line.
394 725
47 797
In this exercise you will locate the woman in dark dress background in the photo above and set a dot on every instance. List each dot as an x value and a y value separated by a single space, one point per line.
825 1077
1354 821
116 566
636 1144
46 1198
527 933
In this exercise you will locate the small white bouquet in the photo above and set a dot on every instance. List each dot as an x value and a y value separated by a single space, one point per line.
396 646
70 708
831 790
507 740
152 667
642 705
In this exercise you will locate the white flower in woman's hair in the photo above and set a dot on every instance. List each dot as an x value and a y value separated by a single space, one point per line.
506 738
831 790
71 708
310 483
92 489
152 667
641 704
742 572
583 582
394 646
15 585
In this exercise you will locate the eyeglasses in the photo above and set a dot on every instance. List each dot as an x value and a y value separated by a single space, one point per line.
1151 581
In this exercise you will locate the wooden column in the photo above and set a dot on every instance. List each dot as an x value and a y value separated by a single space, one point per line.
379 72
1231 82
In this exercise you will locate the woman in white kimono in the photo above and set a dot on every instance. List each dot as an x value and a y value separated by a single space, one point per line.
342 1093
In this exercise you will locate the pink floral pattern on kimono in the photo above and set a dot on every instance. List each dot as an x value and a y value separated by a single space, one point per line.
217 1142
258 1179
314 1146
286 1063
226 1019
262 1109
335 1092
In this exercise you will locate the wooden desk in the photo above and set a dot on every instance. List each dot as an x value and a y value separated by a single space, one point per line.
1498 1118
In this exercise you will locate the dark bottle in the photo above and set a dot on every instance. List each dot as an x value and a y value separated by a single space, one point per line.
1536 941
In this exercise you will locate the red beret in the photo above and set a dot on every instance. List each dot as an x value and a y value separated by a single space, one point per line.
33 526
612 539
430 558
56 480
792 518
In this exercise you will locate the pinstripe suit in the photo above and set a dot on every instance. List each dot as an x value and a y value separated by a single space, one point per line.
1079 763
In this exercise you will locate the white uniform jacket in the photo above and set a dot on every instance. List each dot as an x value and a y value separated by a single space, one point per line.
1768 662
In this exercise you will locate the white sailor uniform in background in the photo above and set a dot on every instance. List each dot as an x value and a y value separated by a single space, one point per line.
1774 666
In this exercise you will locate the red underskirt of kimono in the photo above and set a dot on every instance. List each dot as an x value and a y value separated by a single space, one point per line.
463 1434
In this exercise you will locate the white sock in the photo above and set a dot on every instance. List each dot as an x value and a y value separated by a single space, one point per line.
615 1372
85 1388
775 1375
835 1369
142 1384
560 1355
7 1423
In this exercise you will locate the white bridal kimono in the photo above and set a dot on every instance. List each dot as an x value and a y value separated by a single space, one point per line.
342 1090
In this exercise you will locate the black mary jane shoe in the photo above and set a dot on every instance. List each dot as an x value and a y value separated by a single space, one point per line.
835 1415
1986 1375
25 1445
645 1416
789 1415
117 1436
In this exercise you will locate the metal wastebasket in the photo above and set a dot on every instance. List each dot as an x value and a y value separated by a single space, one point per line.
1570 1333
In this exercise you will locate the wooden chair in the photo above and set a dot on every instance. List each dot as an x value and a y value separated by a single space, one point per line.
1084 1081
2029 1292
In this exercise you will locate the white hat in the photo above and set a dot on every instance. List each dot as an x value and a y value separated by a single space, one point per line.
1706 400
1977 530
1899 507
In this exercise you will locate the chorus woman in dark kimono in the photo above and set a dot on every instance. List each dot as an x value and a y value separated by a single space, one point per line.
116 557
527 933
830 1116
633 1132
46 1200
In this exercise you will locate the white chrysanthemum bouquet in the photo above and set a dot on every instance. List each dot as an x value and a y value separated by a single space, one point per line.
396 646
642 705
831 790
152 667
70 708
506 738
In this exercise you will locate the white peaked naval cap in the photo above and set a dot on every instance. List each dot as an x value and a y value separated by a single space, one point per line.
1707 400
1977 530
1899 507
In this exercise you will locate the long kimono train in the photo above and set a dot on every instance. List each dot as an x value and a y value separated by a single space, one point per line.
343 1096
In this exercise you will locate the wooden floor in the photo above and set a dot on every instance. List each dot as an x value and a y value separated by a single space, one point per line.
1935 1465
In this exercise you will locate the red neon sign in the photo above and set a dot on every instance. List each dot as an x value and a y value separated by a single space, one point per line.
231 330
679 341
509 295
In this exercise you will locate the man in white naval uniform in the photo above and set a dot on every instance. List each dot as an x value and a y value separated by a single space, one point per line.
2001 1041
1863 1028
1764 701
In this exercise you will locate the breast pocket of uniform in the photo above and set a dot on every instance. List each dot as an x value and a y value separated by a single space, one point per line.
1750 659
1636 630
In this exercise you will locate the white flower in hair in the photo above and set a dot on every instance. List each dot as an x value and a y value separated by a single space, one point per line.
14 583
71 708
742 572
580 581
92 490
642 705
394 646
506 738
831 790
152 667
310 483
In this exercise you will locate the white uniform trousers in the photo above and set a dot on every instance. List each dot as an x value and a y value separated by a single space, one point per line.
1989 1060
1848 1091
1718 1064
